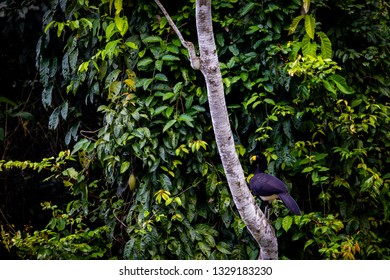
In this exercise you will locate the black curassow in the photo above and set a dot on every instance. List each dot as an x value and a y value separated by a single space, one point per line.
268 187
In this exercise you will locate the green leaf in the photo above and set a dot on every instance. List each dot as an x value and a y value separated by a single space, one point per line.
294 24
111 49
60 224
287 222
161 77
124 166
278 223
169 112
205 248
177 88
158 65
47 96
244 76
121 24
326 45
86 22
152 39
308 243
341 84
269 101
113 76
159 110
144 62
131 45
310 25
168 125
187 119
24 115
268 87
145 83
60 27
65 66
118 6
168 95
329 87
211 184
54 118
247 8
356 102
307 46
170 57
234 50
48 26
64 110
82 144
307 169
111 30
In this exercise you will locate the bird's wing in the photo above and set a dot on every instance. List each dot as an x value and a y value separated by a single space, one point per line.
263 184
290 203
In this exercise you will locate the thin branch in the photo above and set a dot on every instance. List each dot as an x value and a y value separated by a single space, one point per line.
171 23
194 59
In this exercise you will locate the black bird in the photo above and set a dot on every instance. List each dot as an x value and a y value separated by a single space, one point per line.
268 187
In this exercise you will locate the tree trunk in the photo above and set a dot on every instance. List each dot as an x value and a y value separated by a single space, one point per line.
255 220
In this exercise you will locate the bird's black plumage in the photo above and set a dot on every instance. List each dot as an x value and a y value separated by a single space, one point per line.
268 187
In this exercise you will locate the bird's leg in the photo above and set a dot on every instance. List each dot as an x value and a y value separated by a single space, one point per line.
267 210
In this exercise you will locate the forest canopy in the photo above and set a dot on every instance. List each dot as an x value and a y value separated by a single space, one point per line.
107 148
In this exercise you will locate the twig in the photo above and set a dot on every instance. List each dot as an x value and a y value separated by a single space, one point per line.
194 59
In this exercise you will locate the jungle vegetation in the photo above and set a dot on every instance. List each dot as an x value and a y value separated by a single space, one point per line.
107 149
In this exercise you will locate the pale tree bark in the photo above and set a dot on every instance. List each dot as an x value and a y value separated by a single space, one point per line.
208 64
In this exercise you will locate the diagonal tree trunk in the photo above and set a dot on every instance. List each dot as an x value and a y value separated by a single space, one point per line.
208 64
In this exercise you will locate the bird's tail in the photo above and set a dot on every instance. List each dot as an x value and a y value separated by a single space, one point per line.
290 203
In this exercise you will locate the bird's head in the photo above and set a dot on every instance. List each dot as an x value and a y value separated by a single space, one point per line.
258 160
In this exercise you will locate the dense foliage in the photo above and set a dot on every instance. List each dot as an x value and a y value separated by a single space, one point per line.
141 178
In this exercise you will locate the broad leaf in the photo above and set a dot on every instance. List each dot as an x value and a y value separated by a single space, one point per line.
326 45
287 222
341 84
329 87
54 118
110 30
307 48
310 26
294 24
187 119
124 166
121 24
47 96
170 57
64 110
168 125
144 62
152 39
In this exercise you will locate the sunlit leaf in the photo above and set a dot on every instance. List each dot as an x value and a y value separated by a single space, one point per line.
326 45
310 26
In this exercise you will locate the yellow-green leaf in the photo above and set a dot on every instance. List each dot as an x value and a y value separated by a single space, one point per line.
287 222
124 166
326 45
310 26
132 182
121 24
294 24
